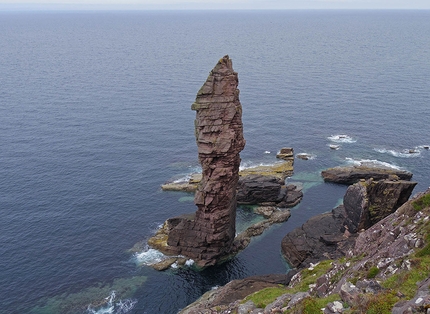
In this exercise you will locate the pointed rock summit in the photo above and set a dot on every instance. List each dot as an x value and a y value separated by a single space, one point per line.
207 236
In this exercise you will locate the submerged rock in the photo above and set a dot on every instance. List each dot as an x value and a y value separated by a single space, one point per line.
353 174
208 235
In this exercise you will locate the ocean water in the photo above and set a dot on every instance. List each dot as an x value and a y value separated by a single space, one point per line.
95 116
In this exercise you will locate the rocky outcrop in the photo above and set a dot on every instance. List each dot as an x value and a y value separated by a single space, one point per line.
208 235
367 202
321 237
332 235
267 191
385 271
221 298
286 153
353 174
252 189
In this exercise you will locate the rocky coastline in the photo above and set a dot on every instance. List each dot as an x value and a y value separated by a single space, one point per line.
382 269
208 236
369 255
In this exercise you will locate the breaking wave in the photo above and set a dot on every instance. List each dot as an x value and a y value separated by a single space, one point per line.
341 138
306 155
371 163
250 164
112 306
149 256
405 153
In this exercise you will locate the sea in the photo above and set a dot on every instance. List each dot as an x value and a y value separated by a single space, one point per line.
95 116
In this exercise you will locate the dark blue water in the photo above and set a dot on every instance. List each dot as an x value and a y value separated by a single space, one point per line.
95 115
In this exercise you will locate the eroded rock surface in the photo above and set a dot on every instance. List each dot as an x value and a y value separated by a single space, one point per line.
208 235
221 298
267 191
331 235
367 202
353 174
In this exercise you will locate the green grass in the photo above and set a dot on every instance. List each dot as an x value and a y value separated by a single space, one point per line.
373 271
310 276
381 303
422 202
266 296
406 280
313 305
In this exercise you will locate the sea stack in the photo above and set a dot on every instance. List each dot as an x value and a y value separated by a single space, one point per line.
207 236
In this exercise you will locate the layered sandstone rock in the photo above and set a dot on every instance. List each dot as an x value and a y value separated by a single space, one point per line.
369 201
267 191
353 174
208 235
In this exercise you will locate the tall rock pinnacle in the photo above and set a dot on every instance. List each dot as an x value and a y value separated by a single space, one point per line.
208 235
219 136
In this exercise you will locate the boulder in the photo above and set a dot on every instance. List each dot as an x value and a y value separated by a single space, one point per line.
267 191
367 202
286 153
321 237
353 174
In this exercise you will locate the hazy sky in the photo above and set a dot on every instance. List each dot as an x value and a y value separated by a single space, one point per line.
215 4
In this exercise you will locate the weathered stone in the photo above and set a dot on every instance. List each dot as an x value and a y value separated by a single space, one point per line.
208 235
280 170
353 174
332 235
367 202
243 239
267 191
236 290
420 303
303 156
286 153
349 293
319 238
333 307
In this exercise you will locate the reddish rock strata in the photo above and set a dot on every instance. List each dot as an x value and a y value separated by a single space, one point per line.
208 235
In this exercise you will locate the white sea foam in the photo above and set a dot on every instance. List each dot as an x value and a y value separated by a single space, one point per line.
310 156
341 138
149 257
183 179
267 152
405 153
112 306
250 164
189 262
371 163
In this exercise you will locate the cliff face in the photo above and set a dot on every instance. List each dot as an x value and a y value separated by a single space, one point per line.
208 235
332 235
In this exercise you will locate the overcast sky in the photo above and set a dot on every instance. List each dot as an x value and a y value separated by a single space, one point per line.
214 4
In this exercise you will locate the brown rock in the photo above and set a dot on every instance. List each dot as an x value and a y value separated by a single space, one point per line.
209 235
351 175
367 202
236 290
286 153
